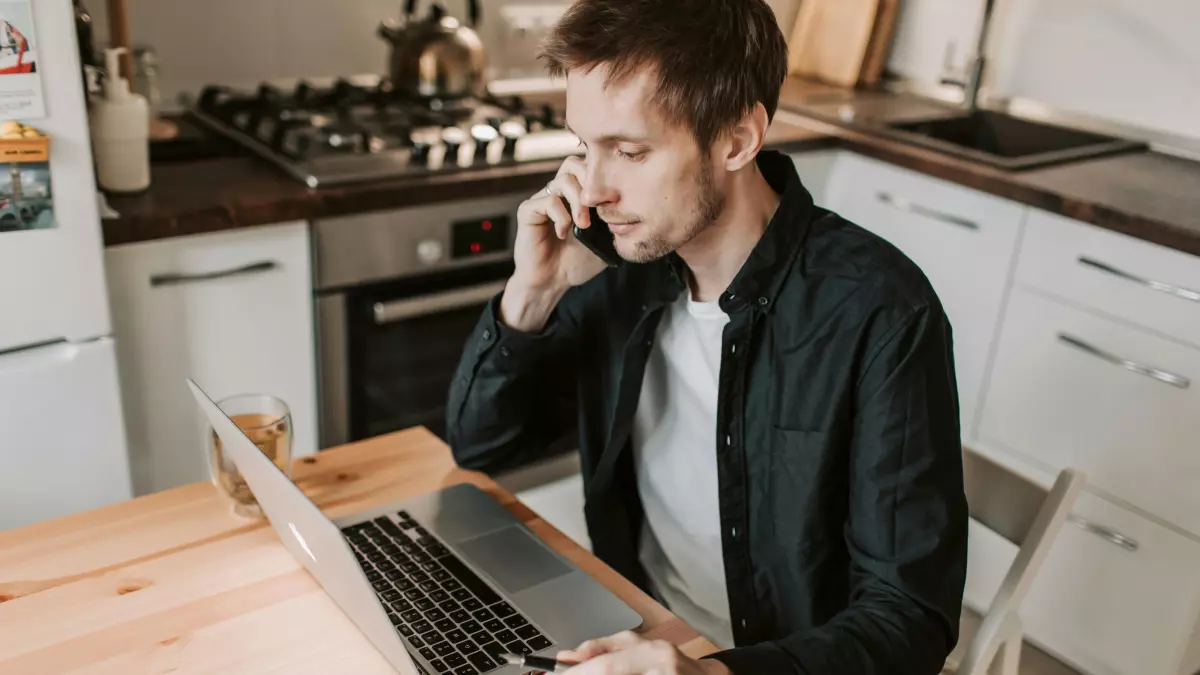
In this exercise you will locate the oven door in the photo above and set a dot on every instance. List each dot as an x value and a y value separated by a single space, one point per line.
402 344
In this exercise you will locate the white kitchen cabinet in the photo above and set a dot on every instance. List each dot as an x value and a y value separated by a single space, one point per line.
231 310
963 240
1112 273
1073 389
1118 594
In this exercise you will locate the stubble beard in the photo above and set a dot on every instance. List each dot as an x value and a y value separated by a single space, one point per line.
711 205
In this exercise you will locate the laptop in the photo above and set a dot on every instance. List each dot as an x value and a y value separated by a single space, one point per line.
440 583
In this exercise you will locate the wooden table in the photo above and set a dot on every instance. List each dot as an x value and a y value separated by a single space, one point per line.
174 582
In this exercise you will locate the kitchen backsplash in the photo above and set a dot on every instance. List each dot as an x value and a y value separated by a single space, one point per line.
1132 61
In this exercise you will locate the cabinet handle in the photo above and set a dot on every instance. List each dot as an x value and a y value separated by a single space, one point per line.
1177 291
174 279
1106 533
1153 373
902 204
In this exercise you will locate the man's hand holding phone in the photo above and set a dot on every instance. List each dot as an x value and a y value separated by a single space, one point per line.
549 260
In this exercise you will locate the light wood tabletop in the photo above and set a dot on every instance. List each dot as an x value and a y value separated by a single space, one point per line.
174 582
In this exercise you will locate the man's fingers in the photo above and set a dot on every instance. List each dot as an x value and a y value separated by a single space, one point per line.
572 191
593 648
558 212
637 659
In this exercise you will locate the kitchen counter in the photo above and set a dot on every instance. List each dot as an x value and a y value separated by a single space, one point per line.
1148 195
175 581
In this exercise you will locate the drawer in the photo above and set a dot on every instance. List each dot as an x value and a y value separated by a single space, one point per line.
1117 595
1054 399
964 241
1113 273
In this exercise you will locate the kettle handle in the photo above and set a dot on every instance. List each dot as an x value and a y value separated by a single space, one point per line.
473 11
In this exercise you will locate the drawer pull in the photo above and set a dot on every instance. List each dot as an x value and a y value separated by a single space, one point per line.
1106 533
1153 373
176 279
902 204
1177 291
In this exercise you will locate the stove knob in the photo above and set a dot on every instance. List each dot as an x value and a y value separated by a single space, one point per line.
429 251
420 152
453 138
483 136
512 132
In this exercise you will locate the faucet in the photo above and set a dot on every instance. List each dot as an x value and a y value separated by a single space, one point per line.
973 79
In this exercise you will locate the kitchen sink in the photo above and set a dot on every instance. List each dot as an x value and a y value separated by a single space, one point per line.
1008 142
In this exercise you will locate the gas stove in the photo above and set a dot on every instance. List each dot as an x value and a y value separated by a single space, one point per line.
355 129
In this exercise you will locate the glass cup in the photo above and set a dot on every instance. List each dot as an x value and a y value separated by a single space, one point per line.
267 421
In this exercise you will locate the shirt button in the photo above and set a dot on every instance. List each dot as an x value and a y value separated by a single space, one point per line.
487 334
728 440
734 532
743 623
732 349
763 301
505 352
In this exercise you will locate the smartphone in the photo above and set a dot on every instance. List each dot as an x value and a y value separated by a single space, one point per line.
599 239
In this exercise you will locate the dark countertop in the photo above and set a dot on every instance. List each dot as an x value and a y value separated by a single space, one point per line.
1148 195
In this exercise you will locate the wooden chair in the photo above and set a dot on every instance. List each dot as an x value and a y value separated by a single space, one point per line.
1029 516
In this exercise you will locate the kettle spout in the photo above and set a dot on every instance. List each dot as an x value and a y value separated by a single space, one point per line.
392 32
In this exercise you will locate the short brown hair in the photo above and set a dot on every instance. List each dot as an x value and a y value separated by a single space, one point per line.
715 59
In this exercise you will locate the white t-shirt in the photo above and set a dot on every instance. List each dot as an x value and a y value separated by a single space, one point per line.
674 444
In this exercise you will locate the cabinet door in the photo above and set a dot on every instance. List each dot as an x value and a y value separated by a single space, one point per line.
1073 389
233 311
963 240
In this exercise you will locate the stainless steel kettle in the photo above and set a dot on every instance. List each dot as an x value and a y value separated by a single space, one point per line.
438 56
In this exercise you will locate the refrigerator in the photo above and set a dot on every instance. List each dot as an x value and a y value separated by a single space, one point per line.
62 437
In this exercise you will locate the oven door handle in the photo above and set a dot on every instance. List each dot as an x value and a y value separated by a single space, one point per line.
399 310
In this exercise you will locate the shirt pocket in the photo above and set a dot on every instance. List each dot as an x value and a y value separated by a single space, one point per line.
807 485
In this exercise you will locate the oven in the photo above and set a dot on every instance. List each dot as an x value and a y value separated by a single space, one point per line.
397 294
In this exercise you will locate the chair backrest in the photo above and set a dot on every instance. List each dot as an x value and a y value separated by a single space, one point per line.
1029 516
1021 511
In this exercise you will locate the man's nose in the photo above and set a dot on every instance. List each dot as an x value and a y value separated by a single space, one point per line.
596 191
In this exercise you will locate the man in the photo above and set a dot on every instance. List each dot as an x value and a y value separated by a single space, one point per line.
764 393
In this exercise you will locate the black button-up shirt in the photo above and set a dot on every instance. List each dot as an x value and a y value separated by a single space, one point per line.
838 454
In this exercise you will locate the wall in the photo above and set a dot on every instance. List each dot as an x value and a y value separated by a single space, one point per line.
243 42
1132 61
1126 60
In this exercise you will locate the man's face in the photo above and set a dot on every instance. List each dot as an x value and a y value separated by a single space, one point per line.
646 177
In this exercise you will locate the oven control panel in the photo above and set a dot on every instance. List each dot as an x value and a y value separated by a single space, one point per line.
479 236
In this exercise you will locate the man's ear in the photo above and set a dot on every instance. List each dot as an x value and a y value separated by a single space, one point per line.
747 138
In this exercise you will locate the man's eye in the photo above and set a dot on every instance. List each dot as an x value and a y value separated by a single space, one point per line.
630 155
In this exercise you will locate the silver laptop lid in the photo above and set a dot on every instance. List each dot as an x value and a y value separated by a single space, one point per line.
309 535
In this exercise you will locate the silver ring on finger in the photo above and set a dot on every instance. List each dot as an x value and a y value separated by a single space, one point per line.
548 191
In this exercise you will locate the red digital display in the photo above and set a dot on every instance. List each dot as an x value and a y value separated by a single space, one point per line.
479 236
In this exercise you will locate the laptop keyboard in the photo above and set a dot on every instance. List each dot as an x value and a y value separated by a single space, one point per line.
443 610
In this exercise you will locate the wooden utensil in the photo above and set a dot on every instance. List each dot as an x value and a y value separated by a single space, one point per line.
830 39
881 42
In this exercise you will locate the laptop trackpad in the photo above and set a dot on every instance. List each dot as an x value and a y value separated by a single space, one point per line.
513 558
